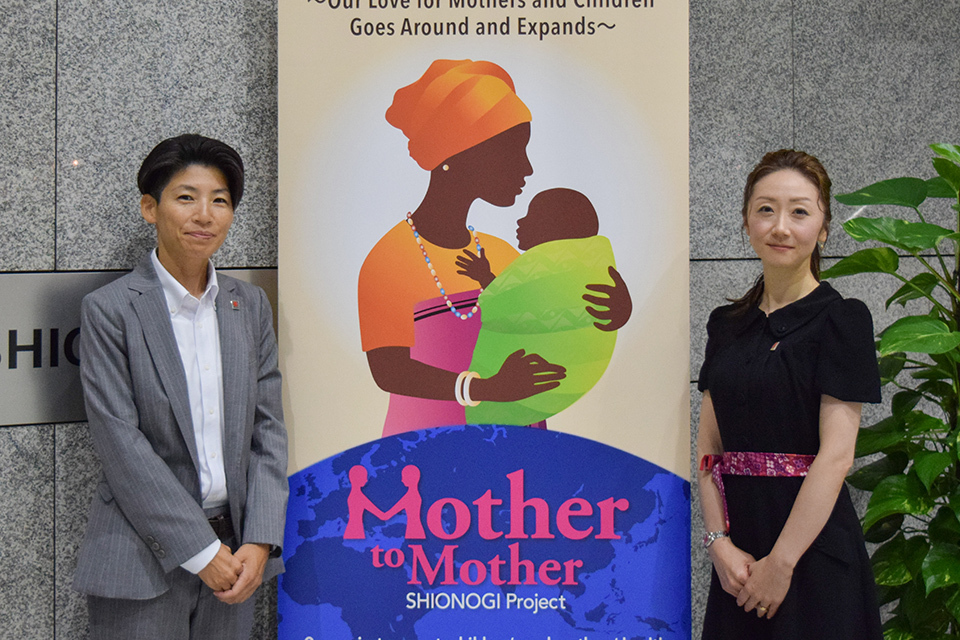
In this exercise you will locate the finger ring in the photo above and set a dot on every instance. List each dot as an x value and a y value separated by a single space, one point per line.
762 608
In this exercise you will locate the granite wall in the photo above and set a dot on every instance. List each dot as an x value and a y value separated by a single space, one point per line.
89 87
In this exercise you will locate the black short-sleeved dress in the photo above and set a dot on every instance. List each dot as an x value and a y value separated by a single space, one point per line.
766 376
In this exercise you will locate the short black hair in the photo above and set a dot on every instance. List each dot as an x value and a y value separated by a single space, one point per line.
176 154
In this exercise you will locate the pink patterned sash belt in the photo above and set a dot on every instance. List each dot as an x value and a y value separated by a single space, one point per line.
752 463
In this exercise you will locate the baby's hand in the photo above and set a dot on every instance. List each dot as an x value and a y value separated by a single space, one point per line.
476 267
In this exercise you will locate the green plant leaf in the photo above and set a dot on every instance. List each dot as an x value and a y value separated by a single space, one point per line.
914 551
889 432
939 188
922 235
904 402
890 368
936 383
918 334
937 389
945 363
867 477
890 423
909 236
897 494
949 151
884 529
930 373
896 434
875 260
899 562
945 527
930 464
949 171
904 192
918 422
919 286
897 629
893 632
948 399
888 594
870 441
927 613
941 566
953 605
889 561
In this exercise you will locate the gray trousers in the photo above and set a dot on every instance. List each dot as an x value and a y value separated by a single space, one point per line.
187 611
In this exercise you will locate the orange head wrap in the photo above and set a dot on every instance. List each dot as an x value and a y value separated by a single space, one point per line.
455 105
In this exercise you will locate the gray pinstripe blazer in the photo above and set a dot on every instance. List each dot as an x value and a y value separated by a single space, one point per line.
146 518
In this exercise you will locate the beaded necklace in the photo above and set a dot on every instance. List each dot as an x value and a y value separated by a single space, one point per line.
433 272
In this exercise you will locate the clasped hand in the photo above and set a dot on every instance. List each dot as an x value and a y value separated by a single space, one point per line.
766 586
758 585
732 565
234 577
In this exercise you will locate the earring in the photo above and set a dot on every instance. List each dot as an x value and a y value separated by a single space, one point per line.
446 167
820 244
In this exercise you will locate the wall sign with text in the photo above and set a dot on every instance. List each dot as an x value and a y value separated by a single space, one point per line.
40 345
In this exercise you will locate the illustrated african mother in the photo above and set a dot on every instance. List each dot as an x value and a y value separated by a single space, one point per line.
469 129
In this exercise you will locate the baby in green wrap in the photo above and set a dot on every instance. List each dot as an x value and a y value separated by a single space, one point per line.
536 304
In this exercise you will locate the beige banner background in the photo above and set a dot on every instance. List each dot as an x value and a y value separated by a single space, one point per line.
609 119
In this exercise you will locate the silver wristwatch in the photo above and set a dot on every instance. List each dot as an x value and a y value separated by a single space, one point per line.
713 536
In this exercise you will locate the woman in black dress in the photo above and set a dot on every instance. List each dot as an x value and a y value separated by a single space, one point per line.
785 371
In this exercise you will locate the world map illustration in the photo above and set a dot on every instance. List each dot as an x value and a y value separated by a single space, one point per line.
631 581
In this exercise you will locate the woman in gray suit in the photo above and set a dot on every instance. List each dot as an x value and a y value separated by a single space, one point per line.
182 390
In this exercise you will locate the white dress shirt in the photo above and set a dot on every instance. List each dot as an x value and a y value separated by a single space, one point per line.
198 339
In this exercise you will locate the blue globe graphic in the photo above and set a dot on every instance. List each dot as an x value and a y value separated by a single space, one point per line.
635 585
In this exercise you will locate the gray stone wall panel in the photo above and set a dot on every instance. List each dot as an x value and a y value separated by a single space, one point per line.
27 536
740 107
876 83
77 474
134 73
28 56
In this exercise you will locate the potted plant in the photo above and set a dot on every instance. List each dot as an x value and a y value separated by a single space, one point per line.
914 475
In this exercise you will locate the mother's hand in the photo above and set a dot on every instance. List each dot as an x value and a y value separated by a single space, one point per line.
520 376
616 299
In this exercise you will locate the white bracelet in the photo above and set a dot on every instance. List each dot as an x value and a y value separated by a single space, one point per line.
457 388
466 389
